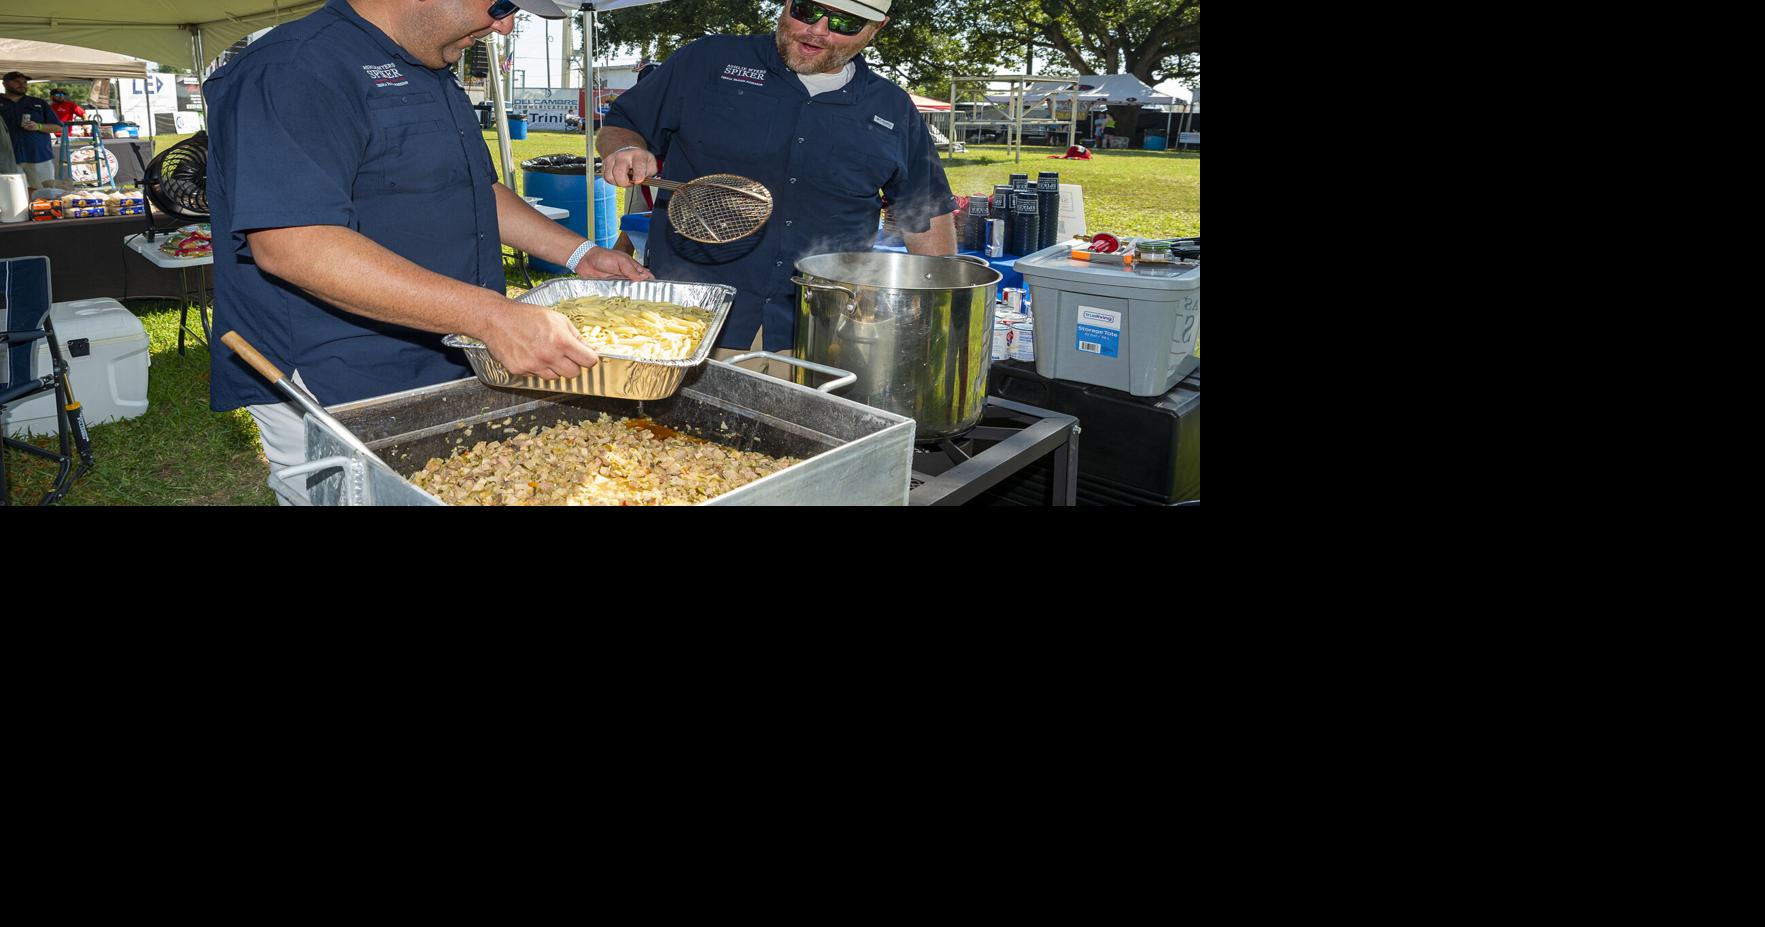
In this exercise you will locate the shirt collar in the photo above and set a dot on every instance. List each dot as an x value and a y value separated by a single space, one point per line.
343 9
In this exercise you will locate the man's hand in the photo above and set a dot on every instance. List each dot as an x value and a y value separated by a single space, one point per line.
607 264
628 166
529 339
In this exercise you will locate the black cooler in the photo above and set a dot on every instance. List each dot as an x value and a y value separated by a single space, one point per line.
1138 450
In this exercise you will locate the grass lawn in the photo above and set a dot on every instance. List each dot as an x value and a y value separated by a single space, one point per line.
180 453
1148 194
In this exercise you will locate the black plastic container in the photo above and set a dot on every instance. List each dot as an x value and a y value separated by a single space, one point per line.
1138 450
1001 206
974 233
1048 207
1025 225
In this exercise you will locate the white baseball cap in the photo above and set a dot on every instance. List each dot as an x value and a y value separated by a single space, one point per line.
547 9
873 10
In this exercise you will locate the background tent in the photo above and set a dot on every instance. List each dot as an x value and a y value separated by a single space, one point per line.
46 61
1120 90
929 105
175 33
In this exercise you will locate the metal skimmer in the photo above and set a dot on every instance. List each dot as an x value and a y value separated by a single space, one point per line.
716 208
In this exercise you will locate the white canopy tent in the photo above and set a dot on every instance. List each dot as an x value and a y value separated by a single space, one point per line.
48 61
1117 90
1191 104
170 32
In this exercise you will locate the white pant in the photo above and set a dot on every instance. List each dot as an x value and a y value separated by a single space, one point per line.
38 174
281 427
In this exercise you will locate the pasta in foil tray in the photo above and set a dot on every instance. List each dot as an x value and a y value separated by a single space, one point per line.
639 328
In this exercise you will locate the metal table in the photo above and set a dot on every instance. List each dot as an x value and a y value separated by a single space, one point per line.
1024 435
201 293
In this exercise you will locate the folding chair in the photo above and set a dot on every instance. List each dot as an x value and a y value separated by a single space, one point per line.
24 319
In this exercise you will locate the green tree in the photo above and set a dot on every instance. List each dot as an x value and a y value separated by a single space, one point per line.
925 42
1154 40
658 29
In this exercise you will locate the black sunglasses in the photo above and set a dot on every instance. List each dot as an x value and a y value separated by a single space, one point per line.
501 8
841 23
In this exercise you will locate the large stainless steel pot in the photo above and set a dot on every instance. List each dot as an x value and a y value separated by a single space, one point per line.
917 331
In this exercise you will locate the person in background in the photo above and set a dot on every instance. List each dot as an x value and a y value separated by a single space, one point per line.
358 219
68 111
65 108
802 113
31 121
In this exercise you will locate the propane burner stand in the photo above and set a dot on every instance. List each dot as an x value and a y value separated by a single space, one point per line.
1010 436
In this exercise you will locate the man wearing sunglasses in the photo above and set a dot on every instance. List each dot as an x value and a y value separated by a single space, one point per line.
803 114
357 217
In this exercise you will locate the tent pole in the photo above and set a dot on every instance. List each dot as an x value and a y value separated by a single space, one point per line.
1072 117
504 152
589 101
950 153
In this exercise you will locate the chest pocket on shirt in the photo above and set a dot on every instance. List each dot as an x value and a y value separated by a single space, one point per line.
861 158
731 120
414 149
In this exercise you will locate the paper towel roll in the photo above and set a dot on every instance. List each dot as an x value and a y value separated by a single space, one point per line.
15 201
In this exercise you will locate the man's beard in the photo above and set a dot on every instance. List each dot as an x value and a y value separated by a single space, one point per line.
832 59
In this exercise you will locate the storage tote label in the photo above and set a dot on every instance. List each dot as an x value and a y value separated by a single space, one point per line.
1100 332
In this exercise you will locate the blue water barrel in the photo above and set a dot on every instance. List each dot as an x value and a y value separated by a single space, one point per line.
1153 142
568 191
517 128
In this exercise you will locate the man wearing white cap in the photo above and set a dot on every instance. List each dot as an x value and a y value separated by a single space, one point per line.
803 114
357 217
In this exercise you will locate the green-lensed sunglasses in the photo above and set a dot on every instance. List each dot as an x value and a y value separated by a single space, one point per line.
839 22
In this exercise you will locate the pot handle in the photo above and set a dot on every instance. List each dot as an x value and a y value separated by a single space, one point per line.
970 257
844 377
851 295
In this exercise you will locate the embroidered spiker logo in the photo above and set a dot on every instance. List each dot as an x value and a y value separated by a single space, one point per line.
752 76
385 75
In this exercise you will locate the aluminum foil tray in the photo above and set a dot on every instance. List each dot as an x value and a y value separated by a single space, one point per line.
616 377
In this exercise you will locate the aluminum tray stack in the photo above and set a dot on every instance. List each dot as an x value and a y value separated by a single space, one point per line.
615 377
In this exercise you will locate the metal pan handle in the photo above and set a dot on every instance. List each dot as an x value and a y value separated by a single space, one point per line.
282 480
842 377
977 259
851 311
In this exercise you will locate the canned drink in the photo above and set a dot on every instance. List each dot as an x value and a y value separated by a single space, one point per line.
1005 331
995 238
1023 340
1014 299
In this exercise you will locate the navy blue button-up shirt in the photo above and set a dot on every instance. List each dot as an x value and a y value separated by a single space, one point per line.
29 147
327 121
729 104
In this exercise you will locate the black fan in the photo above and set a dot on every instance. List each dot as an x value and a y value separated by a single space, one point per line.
177 181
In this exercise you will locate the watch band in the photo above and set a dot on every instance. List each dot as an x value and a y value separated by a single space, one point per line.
577 255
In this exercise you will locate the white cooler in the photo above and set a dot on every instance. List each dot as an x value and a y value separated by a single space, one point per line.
106 352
